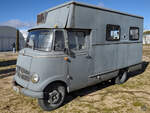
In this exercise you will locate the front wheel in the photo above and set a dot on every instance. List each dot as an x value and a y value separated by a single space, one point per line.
53 97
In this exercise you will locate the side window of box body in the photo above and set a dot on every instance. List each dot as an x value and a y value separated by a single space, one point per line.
113 32
134 33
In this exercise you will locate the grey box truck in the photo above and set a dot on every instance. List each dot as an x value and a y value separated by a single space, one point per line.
76 45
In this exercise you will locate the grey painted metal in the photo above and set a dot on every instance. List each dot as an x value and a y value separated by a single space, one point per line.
25 91
66 13
100 61
90 6
34 94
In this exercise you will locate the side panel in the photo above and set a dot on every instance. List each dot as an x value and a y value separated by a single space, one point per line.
122 55
134 53
116 56
105 58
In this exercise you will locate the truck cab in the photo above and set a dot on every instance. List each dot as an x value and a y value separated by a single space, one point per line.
53 57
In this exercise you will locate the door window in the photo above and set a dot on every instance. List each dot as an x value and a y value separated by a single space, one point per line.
77 40
72 40
59 41
81 40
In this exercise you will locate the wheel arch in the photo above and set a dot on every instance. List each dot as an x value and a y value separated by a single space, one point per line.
56 82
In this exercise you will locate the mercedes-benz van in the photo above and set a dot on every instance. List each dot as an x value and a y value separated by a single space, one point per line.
76 45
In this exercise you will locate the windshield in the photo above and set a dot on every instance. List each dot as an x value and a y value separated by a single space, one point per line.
42 39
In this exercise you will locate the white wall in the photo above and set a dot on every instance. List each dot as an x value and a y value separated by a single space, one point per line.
146 39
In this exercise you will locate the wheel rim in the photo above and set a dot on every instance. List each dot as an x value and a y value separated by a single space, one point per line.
56 96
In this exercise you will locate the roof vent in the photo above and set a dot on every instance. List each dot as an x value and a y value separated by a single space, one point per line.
41 18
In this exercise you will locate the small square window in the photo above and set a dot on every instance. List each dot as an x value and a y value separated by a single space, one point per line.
134 33
112 32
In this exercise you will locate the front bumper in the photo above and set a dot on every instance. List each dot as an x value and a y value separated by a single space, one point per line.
26 91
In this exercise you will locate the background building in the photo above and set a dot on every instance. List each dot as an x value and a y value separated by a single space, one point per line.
8 37
146 37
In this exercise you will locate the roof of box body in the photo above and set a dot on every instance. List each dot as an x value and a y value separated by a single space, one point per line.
65 21
92 6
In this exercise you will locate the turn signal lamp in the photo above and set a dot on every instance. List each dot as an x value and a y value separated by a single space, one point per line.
55 26
66 58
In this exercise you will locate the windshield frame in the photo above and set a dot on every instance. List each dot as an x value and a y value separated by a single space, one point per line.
39 49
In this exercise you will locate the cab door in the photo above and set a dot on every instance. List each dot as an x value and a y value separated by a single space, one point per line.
78 63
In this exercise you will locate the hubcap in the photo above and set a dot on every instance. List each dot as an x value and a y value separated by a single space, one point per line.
54 97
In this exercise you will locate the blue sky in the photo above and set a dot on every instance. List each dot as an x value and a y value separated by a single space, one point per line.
22 13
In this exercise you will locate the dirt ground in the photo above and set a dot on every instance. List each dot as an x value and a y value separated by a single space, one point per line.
130 97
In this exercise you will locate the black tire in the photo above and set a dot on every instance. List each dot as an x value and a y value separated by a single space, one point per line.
53 97
122 77
113 81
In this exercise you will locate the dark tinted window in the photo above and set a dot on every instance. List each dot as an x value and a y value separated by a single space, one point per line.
112 32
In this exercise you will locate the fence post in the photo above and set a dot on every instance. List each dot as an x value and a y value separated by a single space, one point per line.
17 41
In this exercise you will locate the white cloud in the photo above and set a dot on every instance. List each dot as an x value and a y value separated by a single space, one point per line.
100 4
18 24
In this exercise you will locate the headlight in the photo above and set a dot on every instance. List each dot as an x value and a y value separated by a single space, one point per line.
35 78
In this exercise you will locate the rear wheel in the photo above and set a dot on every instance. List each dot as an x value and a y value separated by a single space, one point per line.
54 97
122 77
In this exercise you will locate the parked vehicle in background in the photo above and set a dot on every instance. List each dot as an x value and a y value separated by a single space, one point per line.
76 45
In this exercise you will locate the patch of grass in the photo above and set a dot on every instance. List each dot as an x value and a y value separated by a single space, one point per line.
111 110
132 85
138 103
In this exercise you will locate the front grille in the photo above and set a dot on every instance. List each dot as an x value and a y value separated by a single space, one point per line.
23 73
